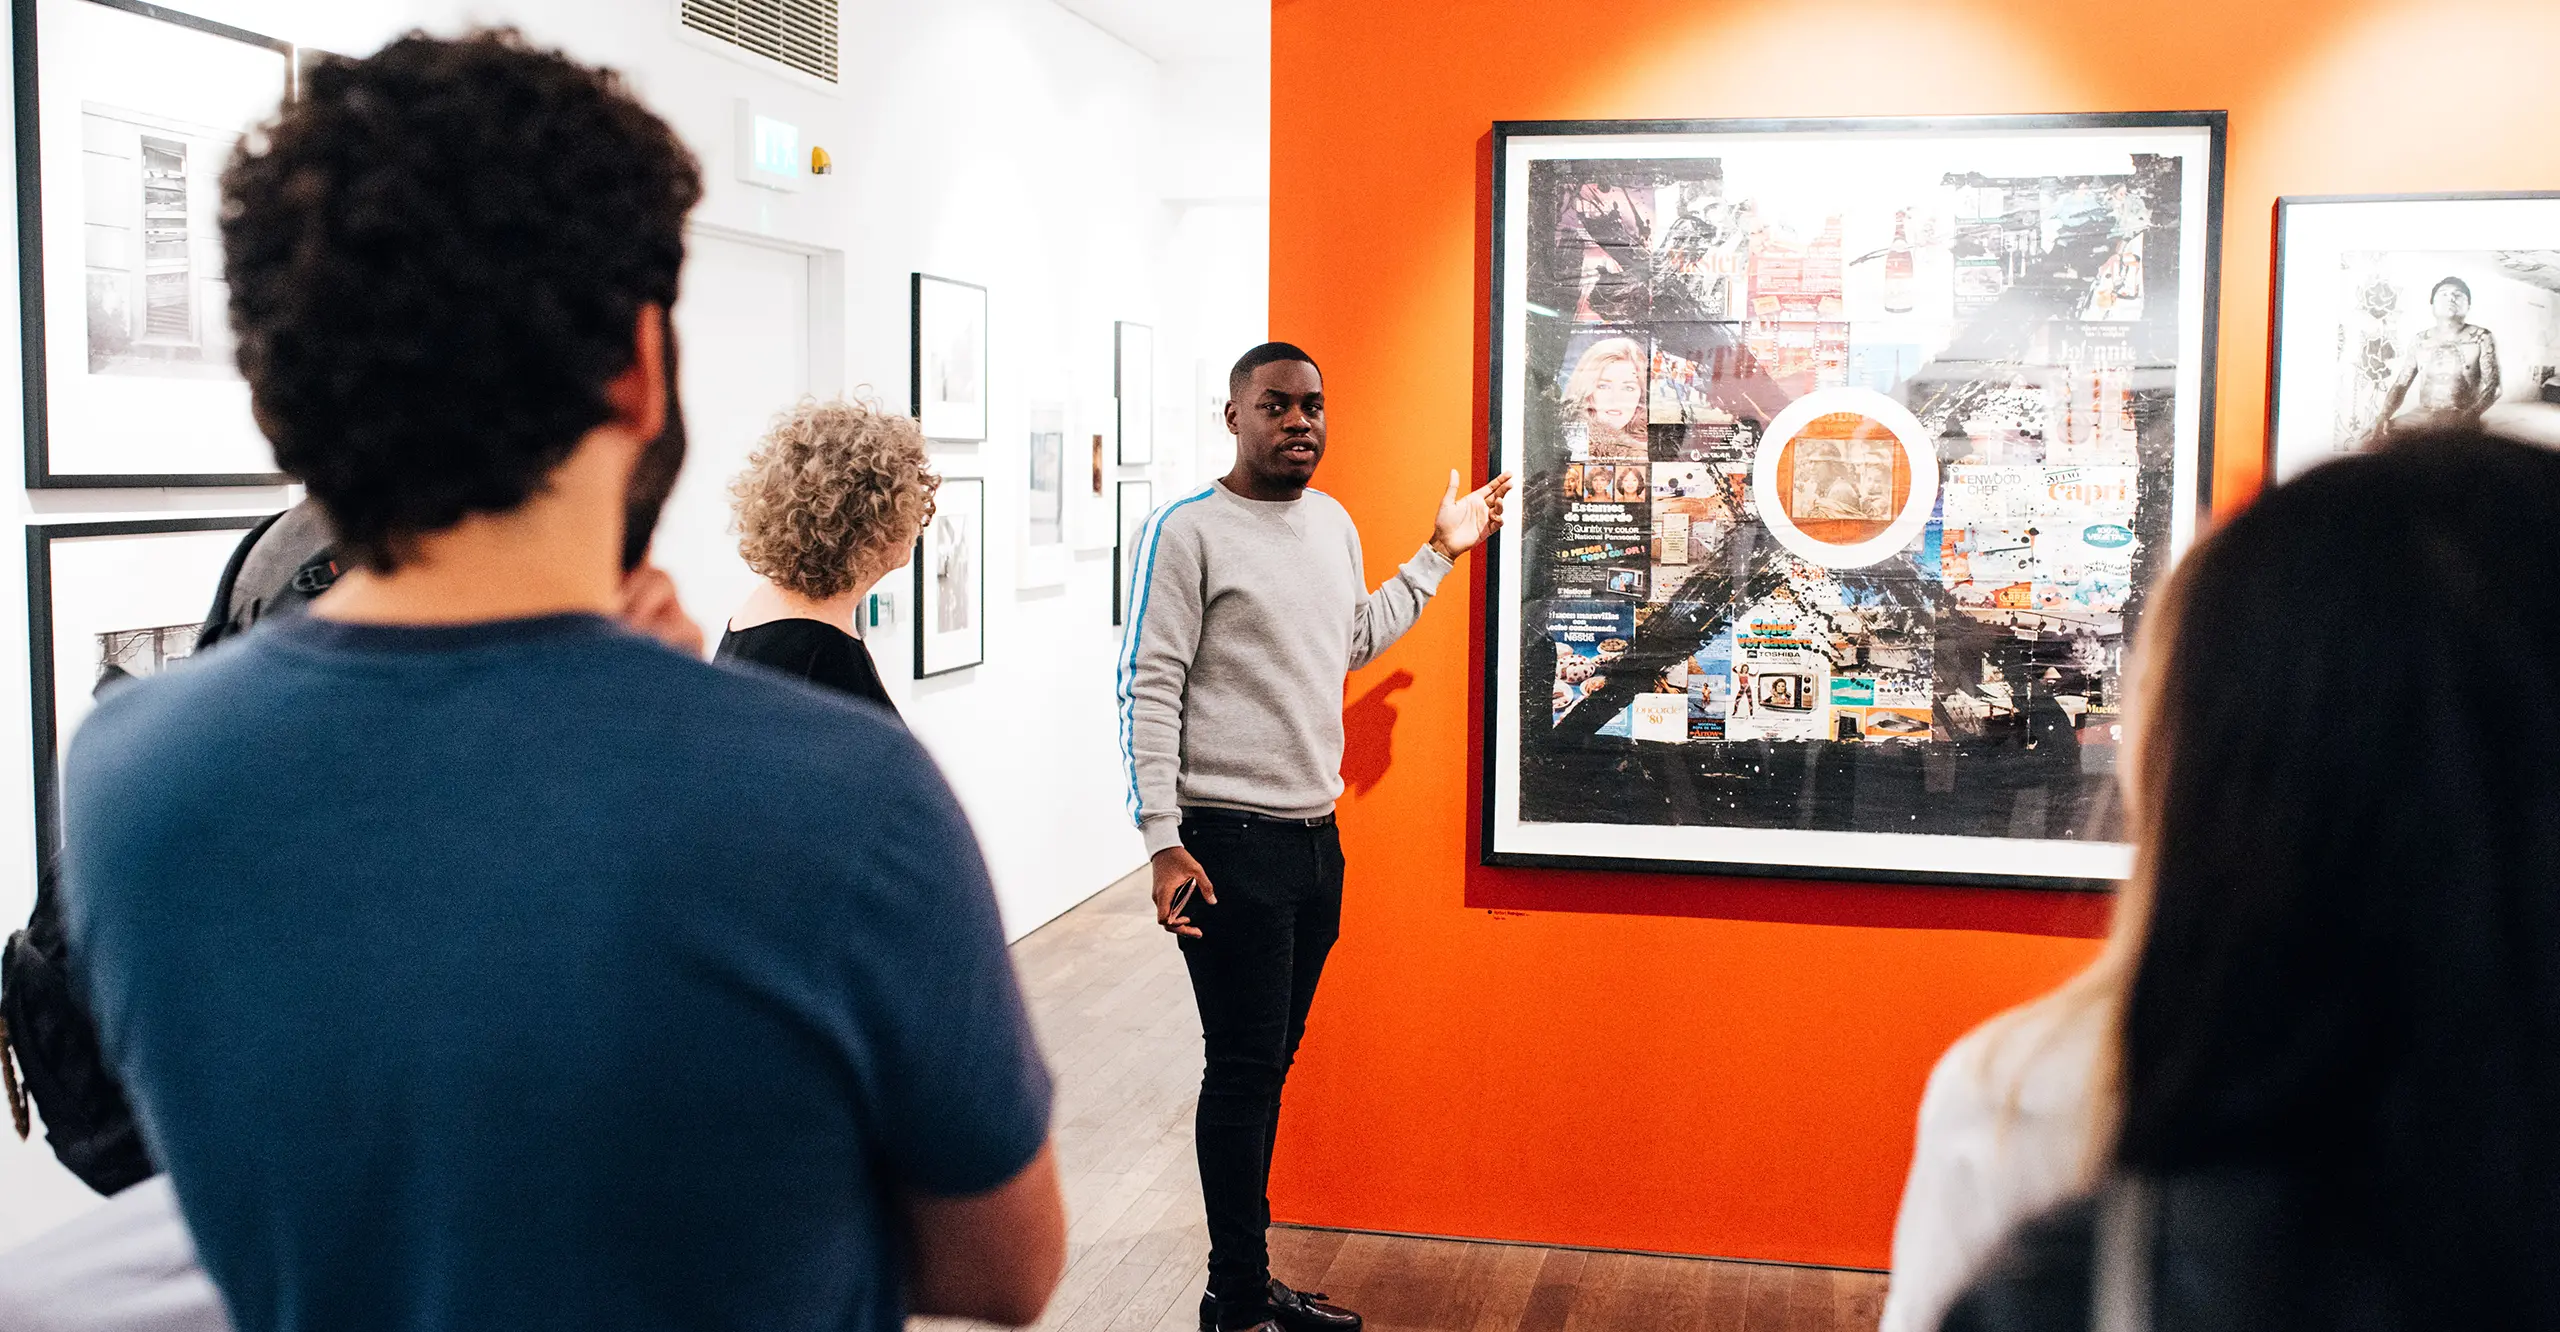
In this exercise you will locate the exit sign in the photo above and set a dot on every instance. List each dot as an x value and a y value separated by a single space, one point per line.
769 151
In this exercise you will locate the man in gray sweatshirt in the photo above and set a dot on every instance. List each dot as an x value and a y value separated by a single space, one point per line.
1249 607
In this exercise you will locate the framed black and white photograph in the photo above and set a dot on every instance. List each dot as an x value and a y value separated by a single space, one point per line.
1848 454
127 112
2398 312
1133 383
1135 500
1044 509
950 359
951 580
107 602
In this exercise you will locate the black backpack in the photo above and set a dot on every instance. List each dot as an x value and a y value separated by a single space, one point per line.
276 570
86 1120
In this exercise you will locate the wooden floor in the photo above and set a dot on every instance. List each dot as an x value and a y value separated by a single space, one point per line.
1107 991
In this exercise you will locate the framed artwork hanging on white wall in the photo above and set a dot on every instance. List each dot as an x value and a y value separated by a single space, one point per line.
2400 311
1133 381
1044 556
949 358
1092 426
1136 498
127 113
107 602
951 580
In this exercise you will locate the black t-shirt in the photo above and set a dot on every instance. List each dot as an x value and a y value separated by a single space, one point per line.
809 650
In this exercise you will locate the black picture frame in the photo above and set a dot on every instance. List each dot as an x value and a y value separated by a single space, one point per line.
1123 591
935 430
43 718
2278 272
26 45
947 501
1144 416
2215 124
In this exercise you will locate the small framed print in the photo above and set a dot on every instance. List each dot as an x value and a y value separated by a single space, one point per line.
2395 312
950 359
1044 512
1136 500
1133 382
127 112
951 580
107 602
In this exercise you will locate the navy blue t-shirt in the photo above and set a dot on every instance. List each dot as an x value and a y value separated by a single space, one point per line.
530 975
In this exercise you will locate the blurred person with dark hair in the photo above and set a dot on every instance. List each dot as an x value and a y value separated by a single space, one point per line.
827 505
473 962
2334 1079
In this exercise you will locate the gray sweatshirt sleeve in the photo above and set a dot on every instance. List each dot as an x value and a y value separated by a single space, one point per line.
1384 615
1157 643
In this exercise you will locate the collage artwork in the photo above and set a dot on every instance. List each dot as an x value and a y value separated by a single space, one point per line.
1840 514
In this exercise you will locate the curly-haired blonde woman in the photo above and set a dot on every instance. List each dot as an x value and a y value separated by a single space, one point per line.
829 503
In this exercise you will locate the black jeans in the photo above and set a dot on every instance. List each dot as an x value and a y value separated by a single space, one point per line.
1253 972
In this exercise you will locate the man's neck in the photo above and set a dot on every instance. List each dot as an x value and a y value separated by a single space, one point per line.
1246 484
559 553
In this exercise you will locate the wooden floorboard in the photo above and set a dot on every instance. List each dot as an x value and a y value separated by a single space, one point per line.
1113 1009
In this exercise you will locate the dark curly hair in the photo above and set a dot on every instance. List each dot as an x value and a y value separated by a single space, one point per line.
437 257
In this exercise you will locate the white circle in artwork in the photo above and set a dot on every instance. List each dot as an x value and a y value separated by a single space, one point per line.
1916 447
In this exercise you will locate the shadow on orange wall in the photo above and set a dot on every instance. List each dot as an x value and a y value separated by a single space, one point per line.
1664 1062
1369 733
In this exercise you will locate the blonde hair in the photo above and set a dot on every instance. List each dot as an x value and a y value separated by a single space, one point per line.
832 486
1596 358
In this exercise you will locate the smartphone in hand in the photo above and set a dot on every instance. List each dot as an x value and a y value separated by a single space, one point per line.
1182 898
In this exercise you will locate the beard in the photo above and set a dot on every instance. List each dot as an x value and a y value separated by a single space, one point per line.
653 477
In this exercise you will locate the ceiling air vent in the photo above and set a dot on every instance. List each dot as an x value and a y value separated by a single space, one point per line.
798 33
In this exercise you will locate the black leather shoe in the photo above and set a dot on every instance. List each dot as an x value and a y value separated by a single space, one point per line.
1288 1311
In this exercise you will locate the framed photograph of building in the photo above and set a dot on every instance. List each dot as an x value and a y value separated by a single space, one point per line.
1848 453
127 112
949 357
951 580
1133 382
2396 312
1135 500
107 602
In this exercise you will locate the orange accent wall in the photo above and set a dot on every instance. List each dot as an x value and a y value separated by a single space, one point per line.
1684 1064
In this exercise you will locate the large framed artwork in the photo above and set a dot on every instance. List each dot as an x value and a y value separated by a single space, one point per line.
127 112
1133 382
1849 453
2396 312
949 358
1135 500
105 602
951 580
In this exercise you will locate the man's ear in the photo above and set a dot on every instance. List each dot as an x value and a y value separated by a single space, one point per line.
1230 413
638 396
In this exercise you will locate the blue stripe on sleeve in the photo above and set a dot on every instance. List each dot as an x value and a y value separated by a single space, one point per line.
1143 590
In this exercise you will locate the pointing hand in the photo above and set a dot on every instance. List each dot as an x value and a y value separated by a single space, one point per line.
1465 521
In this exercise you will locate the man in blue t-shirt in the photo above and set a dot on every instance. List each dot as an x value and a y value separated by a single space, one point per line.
472 962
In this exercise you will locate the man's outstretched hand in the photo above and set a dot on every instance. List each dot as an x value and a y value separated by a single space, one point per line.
1464 521
1174 867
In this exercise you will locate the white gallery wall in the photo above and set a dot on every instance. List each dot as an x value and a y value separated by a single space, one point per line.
1008 143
